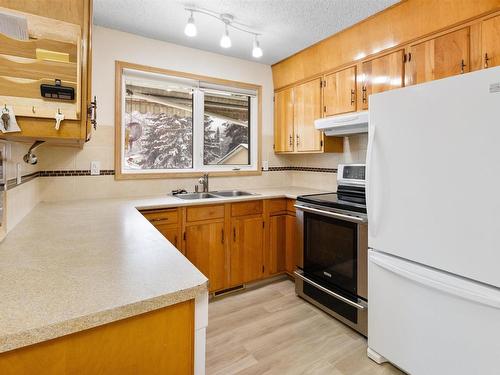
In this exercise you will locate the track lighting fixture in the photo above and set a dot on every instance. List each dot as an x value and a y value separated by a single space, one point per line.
228 20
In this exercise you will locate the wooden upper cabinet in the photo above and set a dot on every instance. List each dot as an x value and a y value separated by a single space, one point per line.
247 249
306 109
444 56
205 249
57 52
490 38
283 121
339 92
381 74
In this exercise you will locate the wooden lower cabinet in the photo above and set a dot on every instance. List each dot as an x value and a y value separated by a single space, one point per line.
277 244
247 249
233 243
204 247
157 342
167 221
171 233
290 244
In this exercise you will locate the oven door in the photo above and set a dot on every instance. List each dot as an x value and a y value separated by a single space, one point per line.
330 248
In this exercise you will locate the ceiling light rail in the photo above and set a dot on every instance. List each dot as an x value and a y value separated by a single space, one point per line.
229 22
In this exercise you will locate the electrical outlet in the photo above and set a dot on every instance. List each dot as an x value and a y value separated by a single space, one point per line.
95 168
265 165
18 174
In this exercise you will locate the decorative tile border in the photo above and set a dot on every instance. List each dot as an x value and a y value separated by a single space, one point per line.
12 183
302 169
68 173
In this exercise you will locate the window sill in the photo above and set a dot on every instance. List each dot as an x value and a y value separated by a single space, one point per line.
154 176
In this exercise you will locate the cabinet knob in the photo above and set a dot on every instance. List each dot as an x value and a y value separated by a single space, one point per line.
486 59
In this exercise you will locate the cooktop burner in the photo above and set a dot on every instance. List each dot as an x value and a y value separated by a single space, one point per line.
339 200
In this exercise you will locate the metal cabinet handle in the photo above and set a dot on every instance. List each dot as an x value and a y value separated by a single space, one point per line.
92 112
234 234
363 94
329 292
291 140
352 96
222 234
462 66
298 139
486 59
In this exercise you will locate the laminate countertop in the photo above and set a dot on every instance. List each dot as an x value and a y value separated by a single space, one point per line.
74 265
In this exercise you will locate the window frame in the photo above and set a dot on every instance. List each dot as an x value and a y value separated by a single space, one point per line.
255 168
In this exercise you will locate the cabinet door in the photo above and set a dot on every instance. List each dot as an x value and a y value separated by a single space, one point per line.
247 249
290 244
382 74
277 246
306 109
283 121
441 57
339 92
491 42
205 249
171 233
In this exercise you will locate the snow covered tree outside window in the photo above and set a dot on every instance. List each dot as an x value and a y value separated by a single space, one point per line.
158 129
177 124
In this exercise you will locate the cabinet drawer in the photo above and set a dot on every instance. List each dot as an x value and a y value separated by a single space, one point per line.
290 203
277 205
205 213
246 208
163 216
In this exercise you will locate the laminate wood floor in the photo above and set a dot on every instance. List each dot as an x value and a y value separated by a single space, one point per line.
269 330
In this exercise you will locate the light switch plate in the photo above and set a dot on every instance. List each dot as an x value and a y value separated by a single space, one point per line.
95 168
265 165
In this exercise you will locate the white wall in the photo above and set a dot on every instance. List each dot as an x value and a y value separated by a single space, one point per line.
111 45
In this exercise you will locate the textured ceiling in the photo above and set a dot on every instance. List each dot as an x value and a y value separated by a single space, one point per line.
287 26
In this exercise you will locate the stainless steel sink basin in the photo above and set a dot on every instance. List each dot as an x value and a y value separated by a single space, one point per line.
231 193
196 196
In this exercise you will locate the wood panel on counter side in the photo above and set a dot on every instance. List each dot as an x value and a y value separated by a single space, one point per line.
158 342
400 24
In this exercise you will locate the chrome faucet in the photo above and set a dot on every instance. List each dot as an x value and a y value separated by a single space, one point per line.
204 181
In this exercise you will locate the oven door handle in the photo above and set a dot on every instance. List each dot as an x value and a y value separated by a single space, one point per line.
359 306
335 215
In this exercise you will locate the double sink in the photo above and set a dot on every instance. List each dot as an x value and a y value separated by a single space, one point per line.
215 194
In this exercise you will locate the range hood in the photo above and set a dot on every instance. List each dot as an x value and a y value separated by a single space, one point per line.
340 125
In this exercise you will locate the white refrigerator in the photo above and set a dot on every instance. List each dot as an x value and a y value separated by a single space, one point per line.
433 200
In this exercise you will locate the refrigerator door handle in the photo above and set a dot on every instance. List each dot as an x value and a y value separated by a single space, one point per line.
369 178
437 280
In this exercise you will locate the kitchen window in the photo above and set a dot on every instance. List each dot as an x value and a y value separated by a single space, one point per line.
172 125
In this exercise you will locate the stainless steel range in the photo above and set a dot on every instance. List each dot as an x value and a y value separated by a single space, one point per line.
332 235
